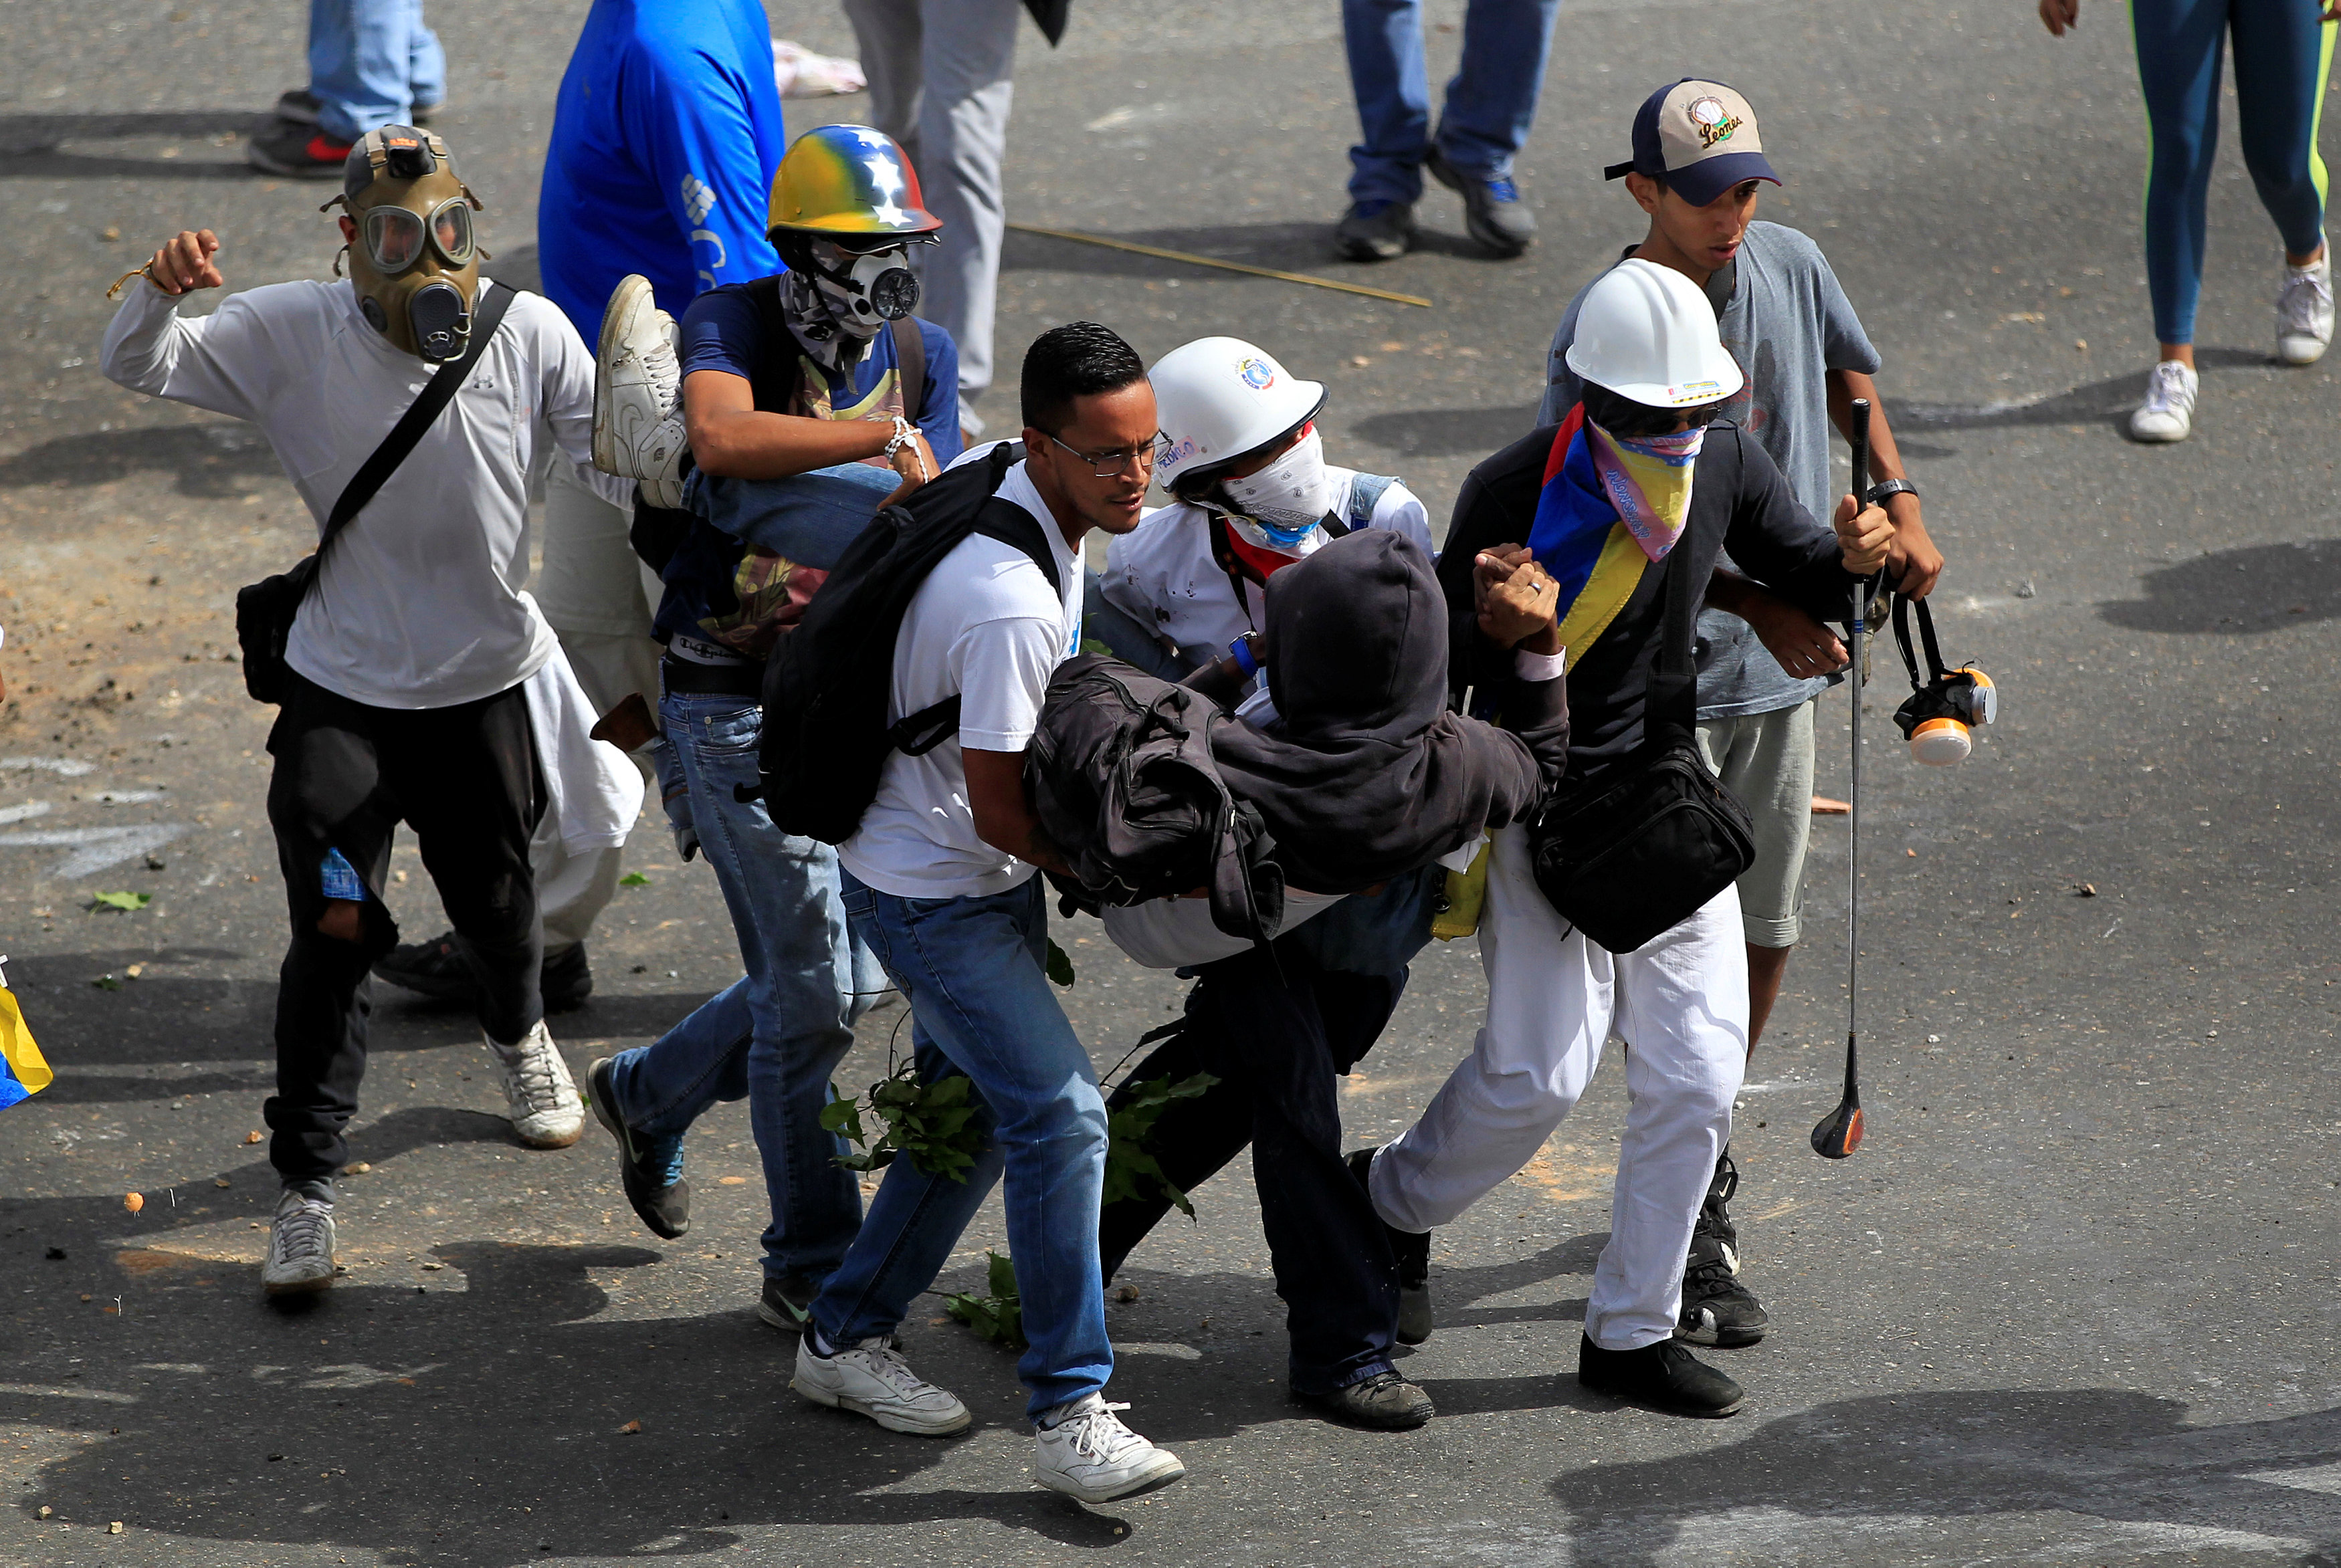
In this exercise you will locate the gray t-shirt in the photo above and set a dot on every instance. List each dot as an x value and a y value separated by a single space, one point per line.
1787 323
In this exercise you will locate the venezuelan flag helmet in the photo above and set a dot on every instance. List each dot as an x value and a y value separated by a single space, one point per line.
849 184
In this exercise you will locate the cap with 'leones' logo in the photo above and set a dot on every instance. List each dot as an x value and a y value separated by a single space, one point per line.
1698 136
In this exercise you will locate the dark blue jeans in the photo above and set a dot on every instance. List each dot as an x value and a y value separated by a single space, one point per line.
981 1005
1490 102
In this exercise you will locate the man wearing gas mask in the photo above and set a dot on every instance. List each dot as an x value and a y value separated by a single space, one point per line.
804 400
418 682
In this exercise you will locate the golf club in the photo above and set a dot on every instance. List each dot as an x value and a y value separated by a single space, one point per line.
1838 1133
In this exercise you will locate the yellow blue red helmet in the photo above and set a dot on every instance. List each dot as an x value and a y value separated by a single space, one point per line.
843 181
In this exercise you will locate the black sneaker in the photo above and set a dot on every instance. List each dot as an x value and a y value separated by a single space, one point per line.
1375 231
1663 1376
646 1167
1494 212
1716 1309
1412 1250
1384 1402
436 969
787 1304
303 152
300 106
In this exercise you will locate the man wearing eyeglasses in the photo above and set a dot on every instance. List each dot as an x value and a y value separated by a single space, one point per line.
419 673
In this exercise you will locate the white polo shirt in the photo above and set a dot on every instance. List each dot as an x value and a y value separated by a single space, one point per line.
986 625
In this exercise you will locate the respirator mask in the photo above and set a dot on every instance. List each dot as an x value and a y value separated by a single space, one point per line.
1279 507
864 290
415 261
1945 705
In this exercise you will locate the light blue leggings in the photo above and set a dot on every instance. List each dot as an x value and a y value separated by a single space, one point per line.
2282 54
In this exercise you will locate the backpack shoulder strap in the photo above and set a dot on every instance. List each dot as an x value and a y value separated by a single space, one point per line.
910 364
774 384
916 734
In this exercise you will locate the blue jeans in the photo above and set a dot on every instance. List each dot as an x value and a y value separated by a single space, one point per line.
1490 103
371 63
808 518
778 1033
981 1005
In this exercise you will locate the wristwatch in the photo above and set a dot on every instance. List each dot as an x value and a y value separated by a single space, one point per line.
1885 490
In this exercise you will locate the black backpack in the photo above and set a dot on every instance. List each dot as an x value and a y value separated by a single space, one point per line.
826 683
1122 778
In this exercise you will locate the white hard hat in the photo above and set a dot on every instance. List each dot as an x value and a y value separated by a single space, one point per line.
1647 332
1219 398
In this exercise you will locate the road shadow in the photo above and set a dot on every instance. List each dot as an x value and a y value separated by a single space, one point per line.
207 461
2107 403
1446 431
41 147
2106 1454
181 1011
2240 592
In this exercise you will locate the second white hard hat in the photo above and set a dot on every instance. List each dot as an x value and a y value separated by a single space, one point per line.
1219 398
1647 332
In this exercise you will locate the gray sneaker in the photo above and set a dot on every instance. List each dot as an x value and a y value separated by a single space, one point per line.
1494 211
300 1245
1375 231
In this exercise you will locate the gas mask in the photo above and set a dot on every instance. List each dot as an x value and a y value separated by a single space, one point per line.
1945 705
1282 505
415 261
864 290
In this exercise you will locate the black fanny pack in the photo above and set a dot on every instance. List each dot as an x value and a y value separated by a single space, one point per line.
264 609
1642 846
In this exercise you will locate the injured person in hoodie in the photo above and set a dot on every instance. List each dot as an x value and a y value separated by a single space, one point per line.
1370 788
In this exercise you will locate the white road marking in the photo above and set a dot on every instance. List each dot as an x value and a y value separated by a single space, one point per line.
24 812
62 765
95 849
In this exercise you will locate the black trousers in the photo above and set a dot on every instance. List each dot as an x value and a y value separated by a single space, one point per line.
1276 1034
467 780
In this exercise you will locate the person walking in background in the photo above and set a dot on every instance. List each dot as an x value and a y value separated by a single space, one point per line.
941 78
1490 104
372 63
666 136
2283 51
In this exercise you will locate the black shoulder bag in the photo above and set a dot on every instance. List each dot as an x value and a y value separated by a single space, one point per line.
264 609
1644 845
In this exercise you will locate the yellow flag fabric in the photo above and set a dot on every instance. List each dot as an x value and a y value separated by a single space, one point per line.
24 1071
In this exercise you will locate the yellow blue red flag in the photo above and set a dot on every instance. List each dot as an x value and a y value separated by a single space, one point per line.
24 1071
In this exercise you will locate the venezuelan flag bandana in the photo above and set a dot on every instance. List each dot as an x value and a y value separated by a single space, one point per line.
1609 510
23 1070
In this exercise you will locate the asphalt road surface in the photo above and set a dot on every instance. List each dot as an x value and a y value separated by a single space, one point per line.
2074 1303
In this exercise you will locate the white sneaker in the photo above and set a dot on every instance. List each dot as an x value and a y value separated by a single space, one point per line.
1090 1456
2168 412
300 1246
2303 312
638 394
872 1379
538 1094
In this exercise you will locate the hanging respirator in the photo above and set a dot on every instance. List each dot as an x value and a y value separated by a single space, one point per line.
1945 705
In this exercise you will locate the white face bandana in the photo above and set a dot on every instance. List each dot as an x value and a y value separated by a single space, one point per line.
1286 500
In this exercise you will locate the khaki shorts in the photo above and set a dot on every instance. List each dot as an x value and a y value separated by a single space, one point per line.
1767 761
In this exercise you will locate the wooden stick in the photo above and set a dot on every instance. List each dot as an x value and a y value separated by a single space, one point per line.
1194 260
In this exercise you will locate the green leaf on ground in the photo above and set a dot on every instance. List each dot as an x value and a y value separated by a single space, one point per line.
999 1316
128 903
633 880
1060 967
107 983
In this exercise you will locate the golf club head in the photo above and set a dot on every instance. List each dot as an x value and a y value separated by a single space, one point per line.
1838 1133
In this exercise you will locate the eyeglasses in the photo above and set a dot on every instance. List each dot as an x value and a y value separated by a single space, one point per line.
394 236
1111 462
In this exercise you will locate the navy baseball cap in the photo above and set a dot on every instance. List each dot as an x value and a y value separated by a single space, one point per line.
1700 137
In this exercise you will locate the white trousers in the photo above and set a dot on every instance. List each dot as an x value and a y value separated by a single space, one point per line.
598 597
941 74
1680 1003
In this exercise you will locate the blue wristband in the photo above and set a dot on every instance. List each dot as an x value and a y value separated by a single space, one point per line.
1240 651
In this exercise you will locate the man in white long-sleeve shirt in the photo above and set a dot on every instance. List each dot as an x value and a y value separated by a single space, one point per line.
415 660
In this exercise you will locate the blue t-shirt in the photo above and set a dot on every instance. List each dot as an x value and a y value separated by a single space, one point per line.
665 137
716 585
